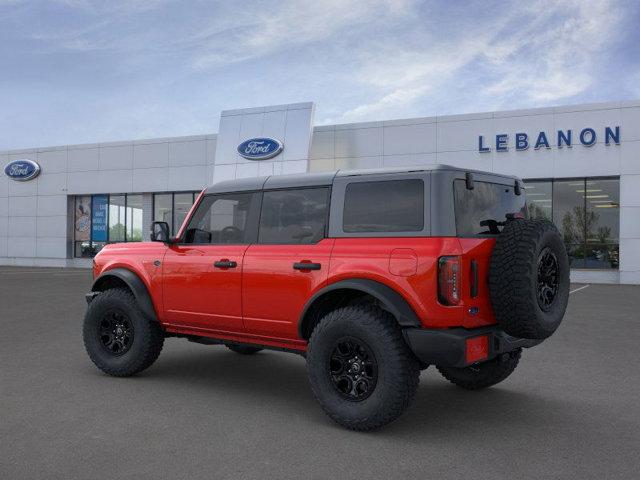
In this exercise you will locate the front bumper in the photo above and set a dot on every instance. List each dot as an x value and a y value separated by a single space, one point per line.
448 347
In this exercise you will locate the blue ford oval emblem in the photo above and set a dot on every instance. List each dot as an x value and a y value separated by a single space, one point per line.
260 148
22 170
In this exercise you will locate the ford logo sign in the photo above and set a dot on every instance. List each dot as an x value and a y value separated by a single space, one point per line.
260 148
22 170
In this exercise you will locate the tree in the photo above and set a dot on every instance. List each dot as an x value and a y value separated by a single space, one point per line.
116 233
577 223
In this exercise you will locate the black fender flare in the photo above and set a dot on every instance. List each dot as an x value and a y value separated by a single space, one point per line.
389 299
135 284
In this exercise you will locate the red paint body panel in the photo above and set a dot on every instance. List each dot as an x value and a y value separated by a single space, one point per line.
273 293
403 262
478 249
370 258
261 300
139 258
197 294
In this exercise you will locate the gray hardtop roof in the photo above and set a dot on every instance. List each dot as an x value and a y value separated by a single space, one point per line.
326 178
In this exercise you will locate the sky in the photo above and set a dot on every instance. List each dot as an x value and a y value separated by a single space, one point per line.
80 71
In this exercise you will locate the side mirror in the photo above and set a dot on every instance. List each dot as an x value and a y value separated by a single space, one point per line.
160 232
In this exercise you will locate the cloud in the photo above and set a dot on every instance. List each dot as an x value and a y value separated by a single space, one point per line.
398 98
554 63
541 53
257 32
406 76
101 70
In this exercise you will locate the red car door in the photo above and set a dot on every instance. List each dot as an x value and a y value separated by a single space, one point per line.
289 262
202 272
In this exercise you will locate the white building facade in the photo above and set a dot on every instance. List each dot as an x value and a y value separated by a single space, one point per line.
581 165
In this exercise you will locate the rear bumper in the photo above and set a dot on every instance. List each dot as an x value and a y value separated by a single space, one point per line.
448 347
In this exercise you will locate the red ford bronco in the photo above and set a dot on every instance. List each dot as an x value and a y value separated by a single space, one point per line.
371 275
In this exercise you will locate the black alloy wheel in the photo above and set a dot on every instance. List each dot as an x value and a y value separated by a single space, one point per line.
353 369
547 279
115 332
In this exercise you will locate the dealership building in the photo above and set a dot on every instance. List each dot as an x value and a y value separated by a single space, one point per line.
581 166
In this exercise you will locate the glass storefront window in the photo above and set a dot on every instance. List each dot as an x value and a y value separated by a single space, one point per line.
539 199
587 214
603 225
172 208
103 219
117 218
134 218
82 226
163 208
182 203
568 210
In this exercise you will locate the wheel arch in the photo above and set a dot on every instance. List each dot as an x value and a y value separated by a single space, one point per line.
122 277
346 291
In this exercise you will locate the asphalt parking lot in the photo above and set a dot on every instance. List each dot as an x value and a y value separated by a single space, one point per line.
571 409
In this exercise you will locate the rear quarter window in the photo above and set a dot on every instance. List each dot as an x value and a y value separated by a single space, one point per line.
483 210
384 206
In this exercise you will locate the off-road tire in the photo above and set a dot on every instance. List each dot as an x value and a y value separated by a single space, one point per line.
243 349
148 336
398 371
483 375
514 278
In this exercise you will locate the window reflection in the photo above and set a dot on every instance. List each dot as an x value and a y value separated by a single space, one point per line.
539 199
134 218
172 208
102 219
117 218
603 223
587 214
162 209
182 203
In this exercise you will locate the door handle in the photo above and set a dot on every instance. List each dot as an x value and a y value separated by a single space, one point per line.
306 266
225 264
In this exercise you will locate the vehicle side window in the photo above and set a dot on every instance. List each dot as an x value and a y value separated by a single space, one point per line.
384 206
296 216
221 219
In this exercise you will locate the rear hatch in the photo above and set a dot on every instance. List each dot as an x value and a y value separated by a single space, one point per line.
481 210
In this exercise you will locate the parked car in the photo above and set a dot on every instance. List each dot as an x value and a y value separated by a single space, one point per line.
371 275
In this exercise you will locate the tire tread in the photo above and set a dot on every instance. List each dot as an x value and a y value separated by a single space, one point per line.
152 343
405 375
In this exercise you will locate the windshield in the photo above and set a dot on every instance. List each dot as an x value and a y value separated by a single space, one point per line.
483 210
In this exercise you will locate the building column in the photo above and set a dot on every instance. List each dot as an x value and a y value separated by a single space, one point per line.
629 229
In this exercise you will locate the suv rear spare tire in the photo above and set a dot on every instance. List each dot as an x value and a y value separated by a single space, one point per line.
529 278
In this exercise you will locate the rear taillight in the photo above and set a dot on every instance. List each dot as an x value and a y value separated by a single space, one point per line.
449 280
